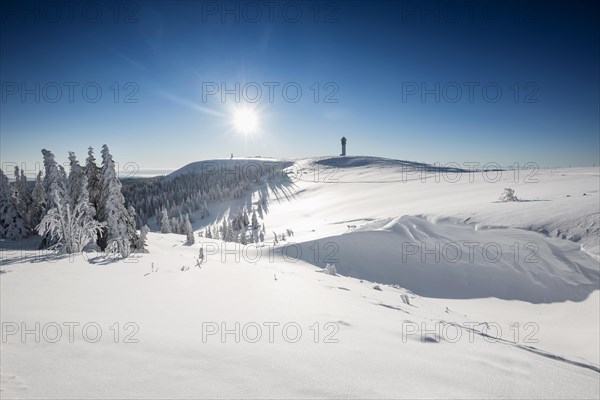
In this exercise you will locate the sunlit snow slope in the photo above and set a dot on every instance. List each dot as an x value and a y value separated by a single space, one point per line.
508 293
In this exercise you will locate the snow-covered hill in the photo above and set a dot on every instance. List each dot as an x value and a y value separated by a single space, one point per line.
560 203
243 166
410 313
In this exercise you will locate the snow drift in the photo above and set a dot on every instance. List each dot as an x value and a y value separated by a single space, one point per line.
460 261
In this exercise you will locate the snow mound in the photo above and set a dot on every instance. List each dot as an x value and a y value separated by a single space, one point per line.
460 261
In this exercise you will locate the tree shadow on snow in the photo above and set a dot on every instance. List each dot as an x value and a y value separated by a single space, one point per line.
279 188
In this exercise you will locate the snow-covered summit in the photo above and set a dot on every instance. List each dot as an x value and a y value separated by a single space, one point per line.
378 162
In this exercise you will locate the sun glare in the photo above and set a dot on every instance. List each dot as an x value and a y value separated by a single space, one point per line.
245 121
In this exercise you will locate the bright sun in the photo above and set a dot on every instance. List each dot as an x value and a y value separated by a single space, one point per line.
245 121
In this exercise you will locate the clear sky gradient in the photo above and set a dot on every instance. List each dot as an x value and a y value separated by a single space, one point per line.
431 81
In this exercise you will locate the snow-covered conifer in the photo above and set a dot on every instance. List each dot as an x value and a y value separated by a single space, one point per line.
54 181
225 230
111 208
175 225
188 231
142 239
165 223
204 210
131 228
55 186
38 202
92 173
254 220
22 196
12 223
76 177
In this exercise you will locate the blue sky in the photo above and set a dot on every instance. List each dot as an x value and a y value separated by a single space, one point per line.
532 67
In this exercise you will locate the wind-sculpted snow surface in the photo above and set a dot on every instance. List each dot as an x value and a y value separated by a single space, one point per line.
458 261
161 327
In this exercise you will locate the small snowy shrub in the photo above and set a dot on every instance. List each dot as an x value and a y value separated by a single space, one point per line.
508 195
330 269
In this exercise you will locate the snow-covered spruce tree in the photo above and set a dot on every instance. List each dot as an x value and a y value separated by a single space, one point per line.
92 173
70 224
78 189
204 210
22 196
165 222
76 178
225 230
116 236
53 179
245 220
64 180
254 220
235 222
188 231
142 239
55 184
38 203
131 228
12 223
243 238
